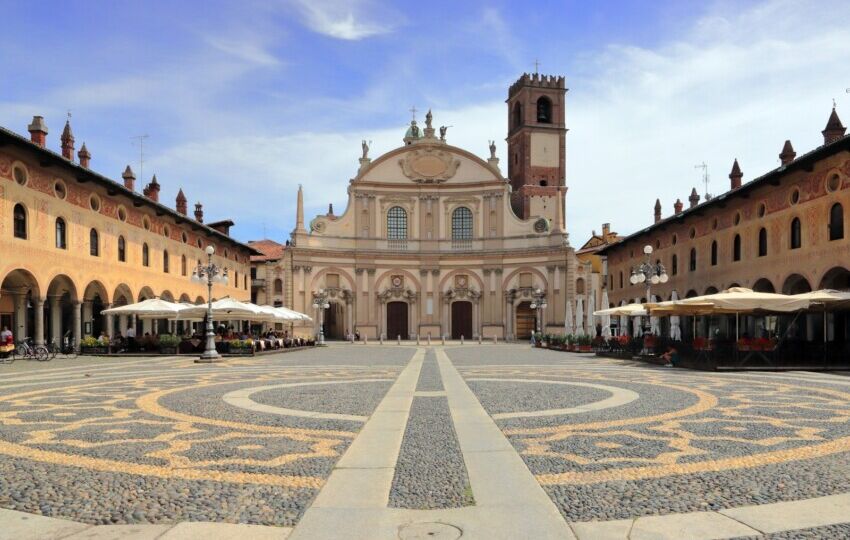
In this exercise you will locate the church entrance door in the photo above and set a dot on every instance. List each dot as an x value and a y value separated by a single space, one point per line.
397 320
334 322
462 320
524 321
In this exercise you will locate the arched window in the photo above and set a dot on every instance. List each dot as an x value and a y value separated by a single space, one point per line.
165 261
796 233
517 115
183 269
278 286
736 248
692 263
544 110
61 235
146 255
762 242
713 253
245 282
621 279
122 249
836 222
674 265
20 225
462 224
94 243
396 223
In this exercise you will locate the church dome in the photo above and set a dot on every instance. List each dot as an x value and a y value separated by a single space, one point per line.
413 133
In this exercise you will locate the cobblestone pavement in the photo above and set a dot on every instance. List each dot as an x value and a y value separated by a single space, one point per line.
691 441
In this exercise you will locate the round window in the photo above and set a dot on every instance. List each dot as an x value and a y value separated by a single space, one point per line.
675 239
166 232
122 213
20 174
692 233
200 244
762 210
60 190
184 237
737 218
795 196
833 183
94 202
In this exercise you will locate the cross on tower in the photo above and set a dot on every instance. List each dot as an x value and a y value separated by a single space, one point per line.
69 113
413 110
536 65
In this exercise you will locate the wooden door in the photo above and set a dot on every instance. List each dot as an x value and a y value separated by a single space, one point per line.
397 320
524 321
462 320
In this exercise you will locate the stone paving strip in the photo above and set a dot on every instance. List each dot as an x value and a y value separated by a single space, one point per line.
429 377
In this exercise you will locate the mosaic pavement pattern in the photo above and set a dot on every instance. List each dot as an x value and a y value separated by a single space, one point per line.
611 440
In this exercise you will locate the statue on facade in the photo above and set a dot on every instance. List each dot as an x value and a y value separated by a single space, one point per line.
428 118
443 130
414 129
365 148
492 149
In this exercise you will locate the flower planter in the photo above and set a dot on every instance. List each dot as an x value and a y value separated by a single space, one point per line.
585 348
168 350
94 350
242 351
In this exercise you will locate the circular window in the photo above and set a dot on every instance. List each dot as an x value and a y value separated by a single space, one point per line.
94 202
714 224
540 226
184 237
833 183
675 239
737 218
762 210
122 213
166 232
692 233
20 174
60 190
146 223
200 244
795 196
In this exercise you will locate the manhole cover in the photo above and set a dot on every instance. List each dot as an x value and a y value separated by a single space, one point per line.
429 531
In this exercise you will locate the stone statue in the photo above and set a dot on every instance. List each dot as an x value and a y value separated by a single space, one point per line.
492 149
428 118
414 129
365 147
443 130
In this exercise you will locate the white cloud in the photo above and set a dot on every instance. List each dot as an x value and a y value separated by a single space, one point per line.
342 19
244 49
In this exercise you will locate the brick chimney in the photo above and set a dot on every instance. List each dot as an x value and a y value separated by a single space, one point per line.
657 210
606 230
67 142
151 190
181 202
788 154
38 131
129 178
85 156
199 212
736 175
677 206
694 198
834 128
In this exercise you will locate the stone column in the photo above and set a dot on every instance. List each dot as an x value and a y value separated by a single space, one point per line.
122 324
476 317
20 330
382 322
87 314
509 317
55 319
38 305
414 319
349 315
78 328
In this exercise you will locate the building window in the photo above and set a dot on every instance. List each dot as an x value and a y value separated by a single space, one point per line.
674 265
20 225
762 242
736 248
165 261
94 202
253 272
692 265
20 175
94 243
396 223
836 222
60 234
183 269
60 190
122 249
713 254
462 224
278 286
146 254
611 282
621 279
796 233
245 282
544 110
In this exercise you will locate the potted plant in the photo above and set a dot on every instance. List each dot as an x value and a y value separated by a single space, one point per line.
584 343
90 345
168 344
241 346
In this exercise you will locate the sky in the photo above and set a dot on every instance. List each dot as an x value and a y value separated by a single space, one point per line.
243 101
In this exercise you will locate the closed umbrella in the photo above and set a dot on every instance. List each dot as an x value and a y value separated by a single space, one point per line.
606 319
653 321
569 324
675 324
591 320
580 316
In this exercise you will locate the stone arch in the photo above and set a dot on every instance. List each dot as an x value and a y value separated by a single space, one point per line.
200 300
442 287
96 288
413 283
837 278
764 285
122 295
167 295
711 289
184 298
332 269
506 282
691 293
796 284
61 284
145 293
20 279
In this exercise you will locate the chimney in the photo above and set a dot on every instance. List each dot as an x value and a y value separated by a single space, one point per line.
151 191
331 210
736 175
38 131
657 210
129 178
606 230
694 198
834 128
85 156
677 206
181 202
67 142
788 154
199 212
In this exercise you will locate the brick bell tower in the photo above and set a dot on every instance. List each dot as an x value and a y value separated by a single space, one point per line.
536 146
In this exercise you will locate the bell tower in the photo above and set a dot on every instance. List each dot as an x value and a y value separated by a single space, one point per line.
537 143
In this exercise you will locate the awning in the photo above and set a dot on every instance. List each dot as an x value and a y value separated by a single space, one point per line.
734 300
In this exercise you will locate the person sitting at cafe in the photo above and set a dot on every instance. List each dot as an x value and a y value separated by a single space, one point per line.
6 336
103 339
671 357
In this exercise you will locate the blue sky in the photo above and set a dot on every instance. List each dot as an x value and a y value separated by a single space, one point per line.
243 101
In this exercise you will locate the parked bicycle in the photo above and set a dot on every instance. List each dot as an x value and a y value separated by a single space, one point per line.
27 349
67 349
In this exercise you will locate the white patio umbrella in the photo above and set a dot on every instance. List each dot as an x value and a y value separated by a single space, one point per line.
580 316
152 308
232 309
569 323
606 319
296 315
675 323
653 321
274 314
591 320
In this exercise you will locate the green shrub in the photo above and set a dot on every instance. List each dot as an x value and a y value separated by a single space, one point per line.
169 340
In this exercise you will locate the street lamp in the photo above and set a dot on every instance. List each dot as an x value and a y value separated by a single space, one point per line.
209 274
320 302
649 273
539 303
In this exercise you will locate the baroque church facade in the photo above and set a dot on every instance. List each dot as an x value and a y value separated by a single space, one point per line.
438 241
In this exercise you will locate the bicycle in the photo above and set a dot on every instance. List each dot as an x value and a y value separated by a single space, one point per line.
67 350
27 349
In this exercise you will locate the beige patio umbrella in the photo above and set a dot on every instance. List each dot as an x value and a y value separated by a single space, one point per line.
734 300
629 310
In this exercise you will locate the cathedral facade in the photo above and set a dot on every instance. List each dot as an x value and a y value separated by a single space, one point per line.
438 241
